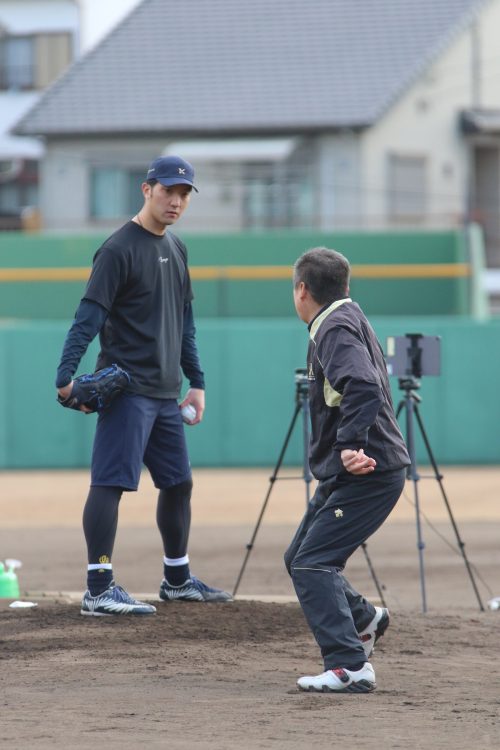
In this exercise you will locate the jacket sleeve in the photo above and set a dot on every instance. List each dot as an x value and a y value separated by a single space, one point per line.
347 366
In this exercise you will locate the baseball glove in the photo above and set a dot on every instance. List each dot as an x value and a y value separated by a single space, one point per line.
96 390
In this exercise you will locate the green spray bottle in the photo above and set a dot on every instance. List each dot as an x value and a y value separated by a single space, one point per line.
9 585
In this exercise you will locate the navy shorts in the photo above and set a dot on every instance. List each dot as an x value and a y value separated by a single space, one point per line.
138 430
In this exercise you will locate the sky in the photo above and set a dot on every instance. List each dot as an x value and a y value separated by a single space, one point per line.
98 17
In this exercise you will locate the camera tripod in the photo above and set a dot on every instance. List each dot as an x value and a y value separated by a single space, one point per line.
301 406
410 402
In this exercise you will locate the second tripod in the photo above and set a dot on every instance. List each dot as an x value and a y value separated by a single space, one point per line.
409 403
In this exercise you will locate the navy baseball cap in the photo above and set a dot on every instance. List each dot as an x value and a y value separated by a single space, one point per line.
171 170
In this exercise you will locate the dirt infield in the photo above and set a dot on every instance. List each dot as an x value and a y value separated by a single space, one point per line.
223 676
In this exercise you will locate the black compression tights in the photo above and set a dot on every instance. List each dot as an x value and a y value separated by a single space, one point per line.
173 516
100 519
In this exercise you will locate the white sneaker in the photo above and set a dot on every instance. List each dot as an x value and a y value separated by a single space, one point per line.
374 630
341 681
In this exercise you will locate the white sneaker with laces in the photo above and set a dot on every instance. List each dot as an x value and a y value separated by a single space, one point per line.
374 630
341 681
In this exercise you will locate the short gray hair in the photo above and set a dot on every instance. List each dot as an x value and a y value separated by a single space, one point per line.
325 273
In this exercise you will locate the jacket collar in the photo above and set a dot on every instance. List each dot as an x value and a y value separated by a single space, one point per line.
324 313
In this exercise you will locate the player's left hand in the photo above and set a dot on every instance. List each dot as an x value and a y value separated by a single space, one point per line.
357 462
195 397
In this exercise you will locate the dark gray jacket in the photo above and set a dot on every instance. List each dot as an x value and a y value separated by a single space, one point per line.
349 393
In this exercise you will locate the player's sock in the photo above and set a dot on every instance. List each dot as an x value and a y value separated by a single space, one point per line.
99 578
176 570
173 515
100 518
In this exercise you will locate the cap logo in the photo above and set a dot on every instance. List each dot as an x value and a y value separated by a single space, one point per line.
182 171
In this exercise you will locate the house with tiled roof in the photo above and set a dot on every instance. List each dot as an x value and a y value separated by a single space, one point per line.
327 114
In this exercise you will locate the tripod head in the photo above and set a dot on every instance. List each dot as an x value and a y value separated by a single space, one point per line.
301 382
409 385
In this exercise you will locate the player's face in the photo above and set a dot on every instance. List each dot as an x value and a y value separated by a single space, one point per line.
166 204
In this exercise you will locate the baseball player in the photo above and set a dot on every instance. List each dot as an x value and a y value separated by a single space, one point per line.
358 455
138 299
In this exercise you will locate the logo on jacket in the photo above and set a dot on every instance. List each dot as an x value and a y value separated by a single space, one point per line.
338 513
310 372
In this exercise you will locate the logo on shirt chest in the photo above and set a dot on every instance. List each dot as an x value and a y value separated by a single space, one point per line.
163 260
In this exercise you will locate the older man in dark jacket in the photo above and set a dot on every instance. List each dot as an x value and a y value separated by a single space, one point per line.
358 455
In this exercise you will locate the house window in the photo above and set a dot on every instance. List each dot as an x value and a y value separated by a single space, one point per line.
16 63
260 201
276 196
33 62
115 192
407 184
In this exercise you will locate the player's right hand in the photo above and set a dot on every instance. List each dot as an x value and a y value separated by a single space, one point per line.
65 393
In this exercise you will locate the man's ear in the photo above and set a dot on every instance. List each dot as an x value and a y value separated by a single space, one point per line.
302 290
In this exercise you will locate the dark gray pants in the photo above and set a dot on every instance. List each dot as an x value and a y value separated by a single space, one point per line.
343 513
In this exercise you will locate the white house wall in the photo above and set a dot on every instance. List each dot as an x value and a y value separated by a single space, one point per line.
424 122
63 188
489 40
338 191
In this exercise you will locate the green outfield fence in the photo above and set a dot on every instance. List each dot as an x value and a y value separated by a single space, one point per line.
250 366
251 341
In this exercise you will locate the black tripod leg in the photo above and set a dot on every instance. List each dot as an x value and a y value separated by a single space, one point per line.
306 421
439 478
413 474
372 571
271 485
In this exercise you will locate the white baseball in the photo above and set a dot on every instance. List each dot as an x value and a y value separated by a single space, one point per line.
188 413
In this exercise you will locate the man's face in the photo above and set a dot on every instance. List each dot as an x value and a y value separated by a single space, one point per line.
166 204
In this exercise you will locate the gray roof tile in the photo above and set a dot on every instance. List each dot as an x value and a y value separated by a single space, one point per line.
249 65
